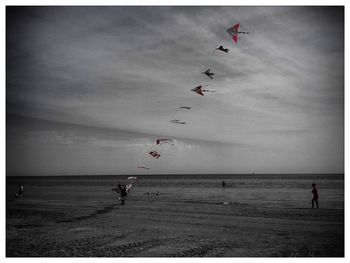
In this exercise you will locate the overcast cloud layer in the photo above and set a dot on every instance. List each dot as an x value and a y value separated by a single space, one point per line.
89 89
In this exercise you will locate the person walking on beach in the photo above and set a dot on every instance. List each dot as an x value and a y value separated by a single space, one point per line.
315 193
223 184
123 193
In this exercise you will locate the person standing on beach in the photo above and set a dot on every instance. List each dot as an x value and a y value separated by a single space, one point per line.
223 184
315 193
20 191
123 193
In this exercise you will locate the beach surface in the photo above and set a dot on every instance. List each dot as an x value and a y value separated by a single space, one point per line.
193 216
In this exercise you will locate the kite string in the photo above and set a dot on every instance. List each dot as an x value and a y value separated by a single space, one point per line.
200 73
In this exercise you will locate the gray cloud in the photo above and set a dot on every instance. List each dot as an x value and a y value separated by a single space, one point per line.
130 68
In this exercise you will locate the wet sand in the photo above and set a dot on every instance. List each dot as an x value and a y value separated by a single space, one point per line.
85 219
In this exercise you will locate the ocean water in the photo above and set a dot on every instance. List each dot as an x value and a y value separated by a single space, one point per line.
270 191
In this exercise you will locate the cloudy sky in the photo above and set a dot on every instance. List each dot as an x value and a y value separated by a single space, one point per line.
90 89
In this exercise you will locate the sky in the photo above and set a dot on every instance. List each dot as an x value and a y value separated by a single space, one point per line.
89 90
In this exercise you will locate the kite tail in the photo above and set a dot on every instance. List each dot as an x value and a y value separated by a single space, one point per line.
206 90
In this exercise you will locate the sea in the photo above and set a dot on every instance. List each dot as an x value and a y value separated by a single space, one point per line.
256 190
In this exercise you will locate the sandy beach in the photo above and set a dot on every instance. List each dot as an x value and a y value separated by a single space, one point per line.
266 216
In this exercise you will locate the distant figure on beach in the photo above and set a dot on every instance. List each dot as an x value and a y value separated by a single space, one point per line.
19 194
123 193
223 184
315 193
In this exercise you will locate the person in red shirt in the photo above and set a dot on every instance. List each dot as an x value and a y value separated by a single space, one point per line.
315 193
